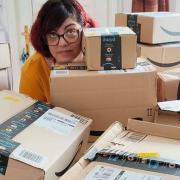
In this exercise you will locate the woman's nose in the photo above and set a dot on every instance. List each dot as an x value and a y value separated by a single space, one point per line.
62 42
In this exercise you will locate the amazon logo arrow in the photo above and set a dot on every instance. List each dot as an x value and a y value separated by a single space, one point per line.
171 33
163 64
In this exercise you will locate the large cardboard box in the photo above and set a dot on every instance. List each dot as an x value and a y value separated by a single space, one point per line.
107 96
37 140
5 56
163 56
109 48
169 85
144 151
152 27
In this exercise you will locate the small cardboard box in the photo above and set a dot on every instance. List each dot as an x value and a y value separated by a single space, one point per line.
168 113
169 85
109 48
152 27
144 151
37 140
5 56
107 96
163 56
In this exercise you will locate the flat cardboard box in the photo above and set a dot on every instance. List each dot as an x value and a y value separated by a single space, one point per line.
5 56
152 27
109 48
107 96
44 140
163 56
169 85
146 148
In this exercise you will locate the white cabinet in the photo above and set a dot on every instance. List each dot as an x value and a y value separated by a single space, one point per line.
5 67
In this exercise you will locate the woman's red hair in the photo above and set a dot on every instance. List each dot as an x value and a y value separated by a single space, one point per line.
51 16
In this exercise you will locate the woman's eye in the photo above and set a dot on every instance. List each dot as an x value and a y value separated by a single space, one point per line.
52 35
71 31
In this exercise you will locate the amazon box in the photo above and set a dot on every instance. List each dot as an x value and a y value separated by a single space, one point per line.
109 48
107 96
169 85
144 151
37 140
163 56
152 27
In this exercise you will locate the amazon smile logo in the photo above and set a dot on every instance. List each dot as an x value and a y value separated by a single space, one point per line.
171 33
163 64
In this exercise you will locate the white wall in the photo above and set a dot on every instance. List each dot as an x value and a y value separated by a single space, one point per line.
22 12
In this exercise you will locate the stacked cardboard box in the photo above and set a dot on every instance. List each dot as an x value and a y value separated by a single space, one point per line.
5 80
155 29
109 48
144 151
169 85
163 56
107 96
37 140
152 27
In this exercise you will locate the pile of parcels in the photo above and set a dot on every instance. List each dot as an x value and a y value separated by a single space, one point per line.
112 103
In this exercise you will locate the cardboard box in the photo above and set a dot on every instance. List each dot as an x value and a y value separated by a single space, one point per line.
167 117
152 27
168 113
109 48
163 56
37 140
5 54
107 96
4 79
169 85
144 149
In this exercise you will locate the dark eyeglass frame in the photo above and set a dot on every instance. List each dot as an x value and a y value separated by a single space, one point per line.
63 36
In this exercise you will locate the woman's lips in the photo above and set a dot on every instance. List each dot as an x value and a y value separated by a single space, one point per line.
64 52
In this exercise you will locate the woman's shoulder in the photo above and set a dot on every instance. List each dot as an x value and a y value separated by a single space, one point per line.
34 62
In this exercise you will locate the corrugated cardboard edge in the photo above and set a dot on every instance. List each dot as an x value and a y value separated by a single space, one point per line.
154 129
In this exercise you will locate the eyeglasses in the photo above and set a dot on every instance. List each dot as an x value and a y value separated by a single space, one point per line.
70 36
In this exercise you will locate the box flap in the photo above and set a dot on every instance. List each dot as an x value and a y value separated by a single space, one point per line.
154 129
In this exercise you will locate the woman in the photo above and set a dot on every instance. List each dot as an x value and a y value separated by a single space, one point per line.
56 37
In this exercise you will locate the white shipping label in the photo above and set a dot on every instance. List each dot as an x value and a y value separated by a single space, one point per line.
108 173
170 105
111 72
57 122
61 72
29 157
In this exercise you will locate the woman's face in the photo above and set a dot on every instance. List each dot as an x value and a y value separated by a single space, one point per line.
65 42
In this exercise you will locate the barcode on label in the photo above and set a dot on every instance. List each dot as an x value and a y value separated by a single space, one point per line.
135 137
31 156
82 119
